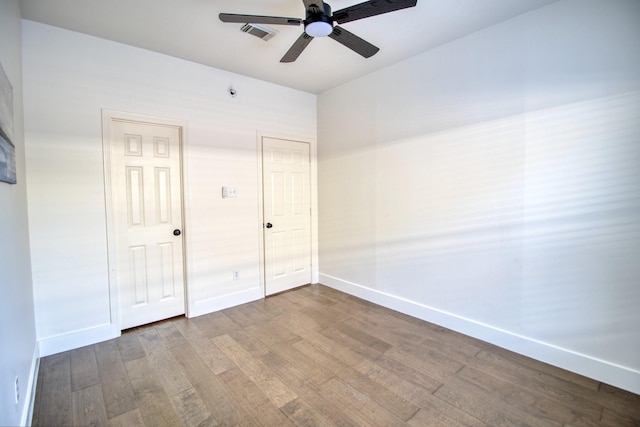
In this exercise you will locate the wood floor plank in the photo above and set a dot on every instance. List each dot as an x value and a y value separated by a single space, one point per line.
412 392
387 332
211 390
487 408
191 409
210 354
528 400
613 419
320 341
84 368
333 410
260 374
330 363
408 372
298 381
545 368
129 346
292 301
357 306
389 328
324 316
313 371
314 293
302 414
336 296
298 321
168 371
305 299
244 315
459 350
272 333
577 397
151 341
314 356
345 341
249 396
399 329
188 327
251 343
429 356
281 303
88 407
386 398
354 400
433 409
272 416
55 402
116 386
245 391
151 399
621 401
437 417
35 417
270 307
359 333
215 324
169 334
128 419
430 362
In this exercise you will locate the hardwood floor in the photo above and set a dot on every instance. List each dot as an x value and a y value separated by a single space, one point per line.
314 356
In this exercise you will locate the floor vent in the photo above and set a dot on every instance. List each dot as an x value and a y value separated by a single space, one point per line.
265 33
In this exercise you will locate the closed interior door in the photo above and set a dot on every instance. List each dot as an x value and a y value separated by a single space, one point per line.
147 200
287 214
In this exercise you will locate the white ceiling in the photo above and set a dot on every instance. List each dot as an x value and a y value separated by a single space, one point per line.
191 30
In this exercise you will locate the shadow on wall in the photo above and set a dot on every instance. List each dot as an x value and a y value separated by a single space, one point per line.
527 223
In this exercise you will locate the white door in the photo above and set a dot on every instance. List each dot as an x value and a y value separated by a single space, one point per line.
287 214
146 185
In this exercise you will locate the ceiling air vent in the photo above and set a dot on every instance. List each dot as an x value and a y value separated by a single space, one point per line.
265 33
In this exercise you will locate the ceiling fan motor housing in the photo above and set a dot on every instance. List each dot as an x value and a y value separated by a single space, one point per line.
319 21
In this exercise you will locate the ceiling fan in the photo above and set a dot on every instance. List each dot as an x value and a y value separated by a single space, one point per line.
320 21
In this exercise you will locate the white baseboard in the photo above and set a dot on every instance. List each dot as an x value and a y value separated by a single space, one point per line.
27 410
600 370
75 339
198 308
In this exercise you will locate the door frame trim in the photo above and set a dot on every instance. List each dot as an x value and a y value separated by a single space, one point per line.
107 117
313 193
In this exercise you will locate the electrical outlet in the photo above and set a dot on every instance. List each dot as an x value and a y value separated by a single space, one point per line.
17 390
236 274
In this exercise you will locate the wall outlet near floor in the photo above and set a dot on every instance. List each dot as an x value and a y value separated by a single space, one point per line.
236 274
17 390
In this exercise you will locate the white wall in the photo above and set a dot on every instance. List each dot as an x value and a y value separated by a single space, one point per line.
492 185
68 79
17 326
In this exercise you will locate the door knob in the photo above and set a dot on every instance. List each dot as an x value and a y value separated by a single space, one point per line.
269 225
177 232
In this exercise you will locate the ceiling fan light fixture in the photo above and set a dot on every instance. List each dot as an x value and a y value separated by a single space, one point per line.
318 29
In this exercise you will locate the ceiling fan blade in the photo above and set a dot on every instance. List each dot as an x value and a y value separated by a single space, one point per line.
258 19
370 8
296 49
353 42
316 6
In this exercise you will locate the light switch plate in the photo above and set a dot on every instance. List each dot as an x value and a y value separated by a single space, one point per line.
229 192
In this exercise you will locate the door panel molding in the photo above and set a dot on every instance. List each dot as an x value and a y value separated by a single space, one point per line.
312 183
133 148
